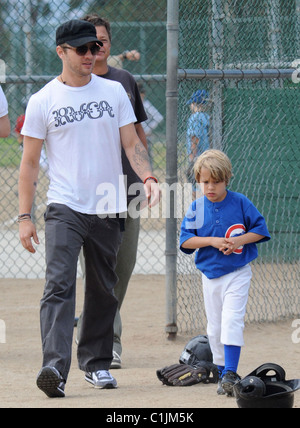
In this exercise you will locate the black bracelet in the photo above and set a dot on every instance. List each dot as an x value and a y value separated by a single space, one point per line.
24 215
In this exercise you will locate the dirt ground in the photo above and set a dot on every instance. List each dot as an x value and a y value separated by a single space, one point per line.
145 349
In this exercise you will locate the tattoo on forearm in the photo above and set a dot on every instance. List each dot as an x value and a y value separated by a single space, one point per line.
141 157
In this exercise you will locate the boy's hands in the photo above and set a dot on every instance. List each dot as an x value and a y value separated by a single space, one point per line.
230 245
227 245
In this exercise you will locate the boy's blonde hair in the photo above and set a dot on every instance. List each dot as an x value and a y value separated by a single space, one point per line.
217 163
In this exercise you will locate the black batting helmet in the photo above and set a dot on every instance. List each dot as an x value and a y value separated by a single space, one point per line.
260 389
197 349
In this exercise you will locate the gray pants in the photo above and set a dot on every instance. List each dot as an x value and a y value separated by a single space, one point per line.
126 260
66 232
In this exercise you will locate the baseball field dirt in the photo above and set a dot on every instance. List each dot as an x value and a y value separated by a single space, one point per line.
146 348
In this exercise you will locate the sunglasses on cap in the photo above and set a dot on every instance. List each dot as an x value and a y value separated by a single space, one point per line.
82 50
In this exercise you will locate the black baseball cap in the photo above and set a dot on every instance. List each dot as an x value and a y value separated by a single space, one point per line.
76 33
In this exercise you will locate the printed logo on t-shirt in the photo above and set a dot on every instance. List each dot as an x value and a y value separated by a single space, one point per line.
92 110
234 230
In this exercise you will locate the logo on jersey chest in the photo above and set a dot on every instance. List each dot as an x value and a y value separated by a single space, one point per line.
234 230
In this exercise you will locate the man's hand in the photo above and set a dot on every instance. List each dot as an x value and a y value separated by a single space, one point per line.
27 231
152 192
133 55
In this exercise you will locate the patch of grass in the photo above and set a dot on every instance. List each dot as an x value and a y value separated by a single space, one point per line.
10 153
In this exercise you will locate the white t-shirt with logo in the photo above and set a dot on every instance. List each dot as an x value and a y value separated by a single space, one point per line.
3 104
80 126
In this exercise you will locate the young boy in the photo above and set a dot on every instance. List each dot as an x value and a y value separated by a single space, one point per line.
224 227
198 125
197 133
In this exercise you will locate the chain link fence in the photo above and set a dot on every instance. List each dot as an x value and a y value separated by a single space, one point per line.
260 133
255 120
27 47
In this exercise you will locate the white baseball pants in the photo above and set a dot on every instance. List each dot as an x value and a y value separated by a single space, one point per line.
225 300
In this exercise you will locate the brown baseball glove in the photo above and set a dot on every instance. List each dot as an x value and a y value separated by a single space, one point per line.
185 375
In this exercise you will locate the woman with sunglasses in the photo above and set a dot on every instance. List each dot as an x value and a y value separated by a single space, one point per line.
84 121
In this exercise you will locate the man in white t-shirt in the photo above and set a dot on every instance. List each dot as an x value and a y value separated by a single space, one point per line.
4 119
84 120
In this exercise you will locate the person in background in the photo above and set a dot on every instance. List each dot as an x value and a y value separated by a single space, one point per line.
18 131
4 119
127 253
154 119
18 128
197 133
117 60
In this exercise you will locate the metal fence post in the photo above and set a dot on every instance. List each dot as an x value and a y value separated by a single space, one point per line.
171 165
297 27
217 59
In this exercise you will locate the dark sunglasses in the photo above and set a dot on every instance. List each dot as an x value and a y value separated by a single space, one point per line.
82 50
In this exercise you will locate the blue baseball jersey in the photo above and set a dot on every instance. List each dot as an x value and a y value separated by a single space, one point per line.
198 126
235 215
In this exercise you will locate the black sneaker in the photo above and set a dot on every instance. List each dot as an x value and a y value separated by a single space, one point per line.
50 381
228 380
220 389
